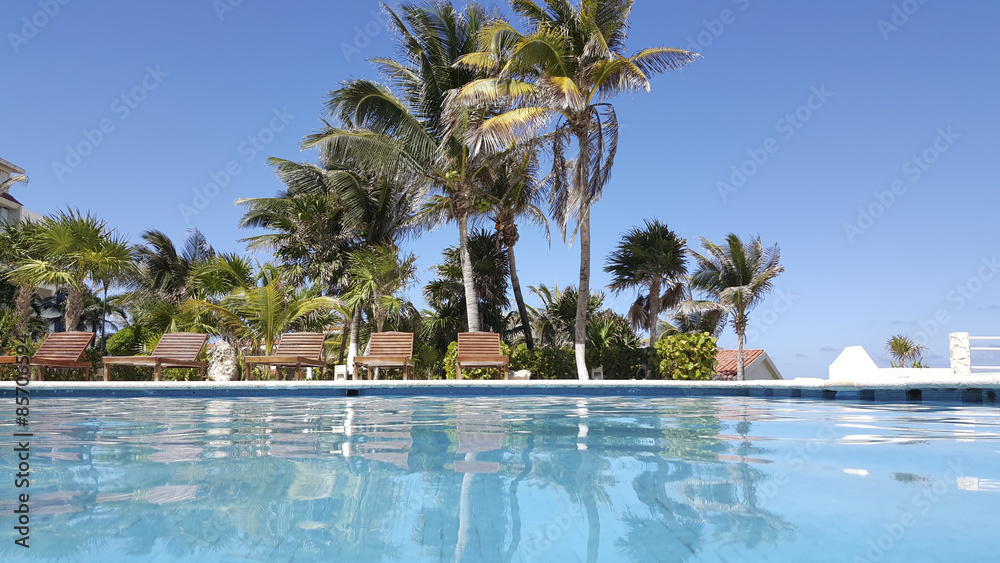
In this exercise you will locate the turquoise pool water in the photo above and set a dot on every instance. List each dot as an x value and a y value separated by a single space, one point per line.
507 479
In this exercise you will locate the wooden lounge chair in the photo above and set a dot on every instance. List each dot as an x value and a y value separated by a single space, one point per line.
296 349
480 350
174 350
388 350
63 350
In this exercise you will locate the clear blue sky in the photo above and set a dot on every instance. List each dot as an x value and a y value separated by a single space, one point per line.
181 87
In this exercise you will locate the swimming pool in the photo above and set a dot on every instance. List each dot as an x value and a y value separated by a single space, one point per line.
507 479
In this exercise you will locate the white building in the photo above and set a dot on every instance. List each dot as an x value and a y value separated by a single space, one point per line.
10 209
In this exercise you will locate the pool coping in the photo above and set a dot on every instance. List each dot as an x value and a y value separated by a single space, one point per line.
979 389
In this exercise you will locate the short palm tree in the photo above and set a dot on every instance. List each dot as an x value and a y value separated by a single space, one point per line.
903 348
259 312
738 276
76 248
565 68
653 260
378 276
18 244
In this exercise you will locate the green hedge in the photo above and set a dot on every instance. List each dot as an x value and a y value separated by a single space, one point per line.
544 363
687 356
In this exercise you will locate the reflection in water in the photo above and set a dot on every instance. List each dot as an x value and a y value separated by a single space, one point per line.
403 479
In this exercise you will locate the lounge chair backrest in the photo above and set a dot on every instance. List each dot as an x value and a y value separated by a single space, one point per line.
64 346
391 344
478 344
301 344
180 346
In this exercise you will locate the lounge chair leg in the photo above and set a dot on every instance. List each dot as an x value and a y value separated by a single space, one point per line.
298 372
107 373
458 370
86 374
156 371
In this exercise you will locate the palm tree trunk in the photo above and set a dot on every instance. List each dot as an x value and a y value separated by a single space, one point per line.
519 299
104 318
654 310
741 327
352 350
583 299
22 308
74 307
471 298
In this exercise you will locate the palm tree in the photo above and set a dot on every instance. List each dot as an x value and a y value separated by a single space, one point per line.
903 348
259 309
326 214
377 277
739 276
19 243
514 194
165 272
651 259
554 321
76 248
399 132
5 185
567 66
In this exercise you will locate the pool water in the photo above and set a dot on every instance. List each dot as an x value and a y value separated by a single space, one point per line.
507 479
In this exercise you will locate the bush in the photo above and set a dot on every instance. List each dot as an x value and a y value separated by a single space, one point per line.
624 362
687 356
471 373
544 363
129 341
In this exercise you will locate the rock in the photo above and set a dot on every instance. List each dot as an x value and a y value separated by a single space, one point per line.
222 362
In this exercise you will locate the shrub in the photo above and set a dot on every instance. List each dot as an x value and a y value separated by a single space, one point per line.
687 356
544 363
471 373
624 362
129 341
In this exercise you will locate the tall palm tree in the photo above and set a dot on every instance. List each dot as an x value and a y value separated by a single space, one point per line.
651 259
554 321
514 194
19 243
739 276
399 132
566 67
76 248
903 348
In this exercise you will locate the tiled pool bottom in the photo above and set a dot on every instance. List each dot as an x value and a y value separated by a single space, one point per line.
506 479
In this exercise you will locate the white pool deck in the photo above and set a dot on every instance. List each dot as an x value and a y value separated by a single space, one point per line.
982 388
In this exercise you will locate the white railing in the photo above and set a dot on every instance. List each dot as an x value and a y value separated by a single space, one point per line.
984 349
